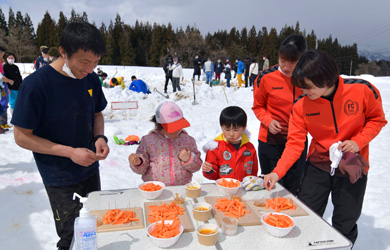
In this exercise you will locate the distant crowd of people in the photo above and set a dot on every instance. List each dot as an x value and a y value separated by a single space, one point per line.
246 72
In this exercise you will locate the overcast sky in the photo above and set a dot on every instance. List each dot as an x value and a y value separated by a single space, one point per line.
366 23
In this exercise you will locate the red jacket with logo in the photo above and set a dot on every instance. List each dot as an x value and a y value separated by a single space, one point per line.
355 113
231 163
273 99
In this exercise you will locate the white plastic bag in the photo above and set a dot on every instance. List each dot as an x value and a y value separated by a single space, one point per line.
335 156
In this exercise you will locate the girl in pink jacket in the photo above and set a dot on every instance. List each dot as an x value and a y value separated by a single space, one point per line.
167 154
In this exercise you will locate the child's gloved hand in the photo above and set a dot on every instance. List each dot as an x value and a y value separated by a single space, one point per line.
252 183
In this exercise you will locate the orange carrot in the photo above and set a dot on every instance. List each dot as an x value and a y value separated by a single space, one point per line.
117 216
150 187
164 212
278 220
280 203
162 230
229 184
232 208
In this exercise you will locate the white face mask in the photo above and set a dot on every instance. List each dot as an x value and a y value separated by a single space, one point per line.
11 61
67 70
45 59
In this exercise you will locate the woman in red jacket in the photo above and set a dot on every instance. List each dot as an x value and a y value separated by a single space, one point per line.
273 98
334 109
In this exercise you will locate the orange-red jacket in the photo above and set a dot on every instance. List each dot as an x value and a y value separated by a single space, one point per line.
354 114
273 99
231 163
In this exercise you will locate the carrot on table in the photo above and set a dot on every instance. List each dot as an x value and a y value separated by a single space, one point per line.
232 208
278 220
164 212
229 184
165 230
117 216
150 187
280 203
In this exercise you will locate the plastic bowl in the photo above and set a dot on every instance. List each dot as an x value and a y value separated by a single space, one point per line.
164 243
151 195
277 231
226 190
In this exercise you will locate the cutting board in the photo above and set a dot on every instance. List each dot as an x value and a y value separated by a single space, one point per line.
249 219
118 227
185 219
259 211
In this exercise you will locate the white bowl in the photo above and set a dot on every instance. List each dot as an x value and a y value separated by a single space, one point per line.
277 231
151 195
226 190
164 243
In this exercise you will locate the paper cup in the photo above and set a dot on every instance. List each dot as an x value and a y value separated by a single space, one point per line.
229 226
193 190
207 239
198 212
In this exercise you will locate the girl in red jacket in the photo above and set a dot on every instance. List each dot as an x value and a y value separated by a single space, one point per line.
334 109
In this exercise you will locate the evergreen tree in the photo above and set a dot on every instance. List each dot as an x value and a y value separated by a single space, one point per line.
252 42
46 34
11 20
61 24
3 22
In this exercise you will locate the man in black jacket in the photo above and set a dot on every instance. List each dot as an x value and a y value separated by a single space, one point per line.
197 67
168 73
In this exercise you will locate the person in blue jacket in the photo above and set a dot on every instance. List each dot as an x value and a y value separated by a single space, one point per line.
240 71
138 86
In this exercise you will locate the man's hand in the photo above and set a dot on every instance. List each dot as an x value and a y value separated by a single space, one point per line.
134 159
185 155
102 149
274 127
270 180
83 156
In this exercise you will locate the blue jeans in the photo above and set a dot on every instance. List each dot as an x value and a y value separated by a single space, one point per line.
209 76
228 82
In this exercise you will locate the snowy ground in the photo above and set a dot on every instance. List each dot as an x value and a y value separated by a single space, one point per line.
27 219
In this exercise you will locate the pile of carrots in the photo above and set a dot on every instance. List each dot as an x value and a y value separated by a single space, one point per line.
150 187
232 208
278 220
164 231
164 212
117 216
280 203
229 184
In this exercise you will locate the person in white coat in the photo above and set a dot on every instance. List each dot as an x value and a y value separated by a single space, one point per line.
177 74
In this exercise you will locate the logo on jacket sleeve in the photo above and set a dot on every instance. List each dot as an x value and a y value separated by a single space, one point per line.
227 155
351 107
248 167
225 169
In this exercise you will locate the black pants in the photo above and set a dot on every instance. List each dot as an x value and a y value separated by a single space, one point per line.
167 77
347 198
65 209
246 81
252 79
269 155
196 73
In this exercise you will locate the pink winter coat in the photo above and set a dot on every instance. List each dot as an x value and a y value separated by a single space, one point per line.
160 156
